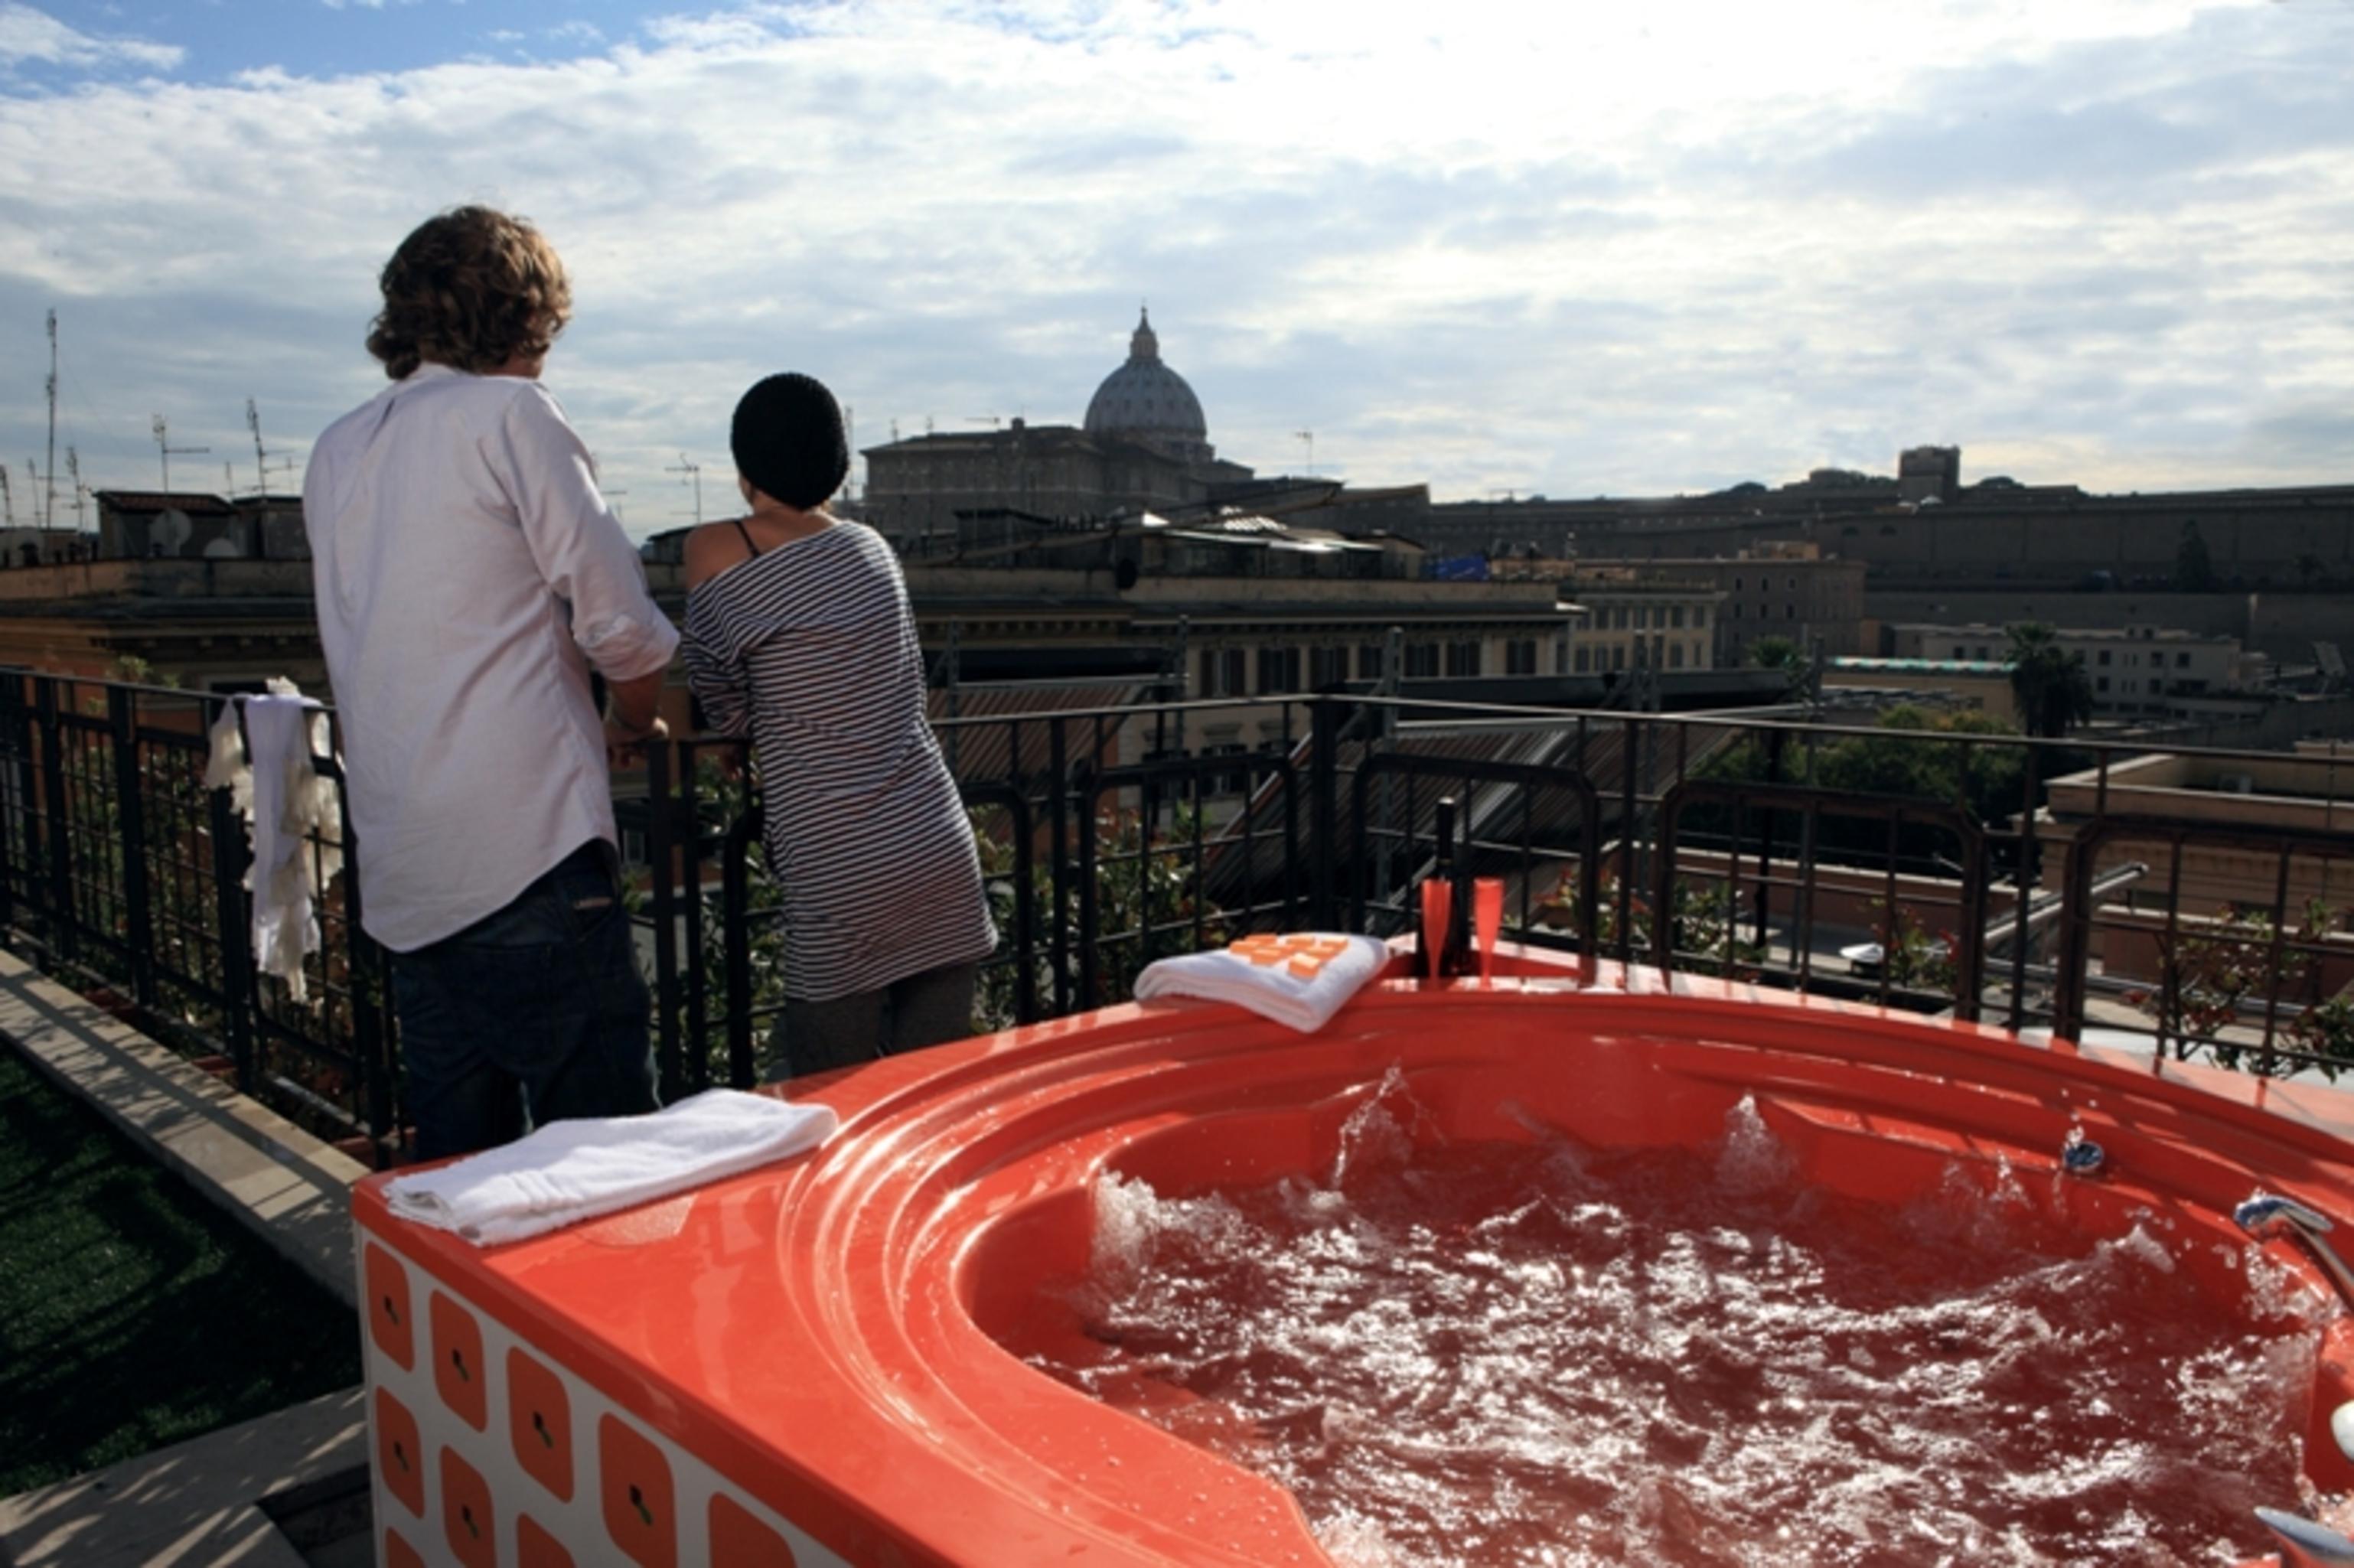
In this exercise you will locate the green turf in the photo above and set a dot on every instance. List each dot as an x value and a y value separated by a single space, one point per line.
132 1312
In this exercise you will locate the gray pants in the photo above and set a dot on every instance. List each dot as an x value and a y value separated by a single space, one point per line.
922 1009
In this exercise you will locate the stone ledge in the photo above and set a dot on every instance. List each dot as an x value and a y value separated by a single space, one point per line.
286 1186
197 1504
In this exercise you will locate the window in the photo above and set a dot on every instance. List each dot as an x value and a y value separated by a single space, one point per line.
1619 657
1278 670
1237 782
1223 672
1983 653
2101 685
1520 656
1789 613
1618 618
1368 661
1584 658
1961 652
1793 584
1700 615
1463 658
1422 661
1675 617
1642 649
1736 585
2182 660
1676 656
2105 659
1733 610
1327 667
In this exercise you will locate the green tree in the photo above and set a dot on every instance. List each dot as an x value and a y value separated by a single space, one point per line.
2048 680
1777 653
2194 569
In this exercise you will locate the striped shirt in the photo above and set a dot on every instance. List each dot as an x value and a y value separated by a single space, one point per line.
809 649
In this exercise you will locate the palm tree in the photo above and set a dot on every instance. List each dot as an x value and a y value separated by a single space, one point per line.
2048 681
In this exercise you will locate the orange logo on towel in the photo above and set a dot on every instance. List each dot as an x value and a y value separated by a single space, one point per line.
1301 953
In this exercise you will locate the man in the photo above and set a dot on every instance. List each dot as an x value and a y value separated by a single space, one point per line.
470 578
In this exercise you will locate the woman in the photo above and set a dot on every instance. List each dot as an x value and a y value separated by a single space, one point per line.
798 635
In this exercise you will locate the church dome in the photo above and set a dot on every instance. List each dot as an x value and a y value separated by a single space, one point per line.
1145 401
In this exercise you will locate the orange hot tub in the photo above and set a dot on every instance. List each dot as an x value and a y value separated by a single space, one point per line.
803 1365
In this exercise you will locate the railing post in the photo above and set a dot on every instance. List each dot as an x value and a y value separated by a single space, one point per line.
1323 824
230 857
1058 831
735 936
1630 749
1773 746
53 800
661 876
1086 923
131 823
2023 878
13 799
2076 939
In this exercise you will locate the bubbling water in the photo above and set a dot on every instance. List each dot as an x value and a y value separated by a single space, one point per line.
1549 1355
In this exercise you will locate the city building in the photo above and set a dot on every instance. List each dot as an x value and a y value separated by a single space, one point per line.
1980 684
1787 589
1144 447
1633 623
1929 474
2136 672
199 526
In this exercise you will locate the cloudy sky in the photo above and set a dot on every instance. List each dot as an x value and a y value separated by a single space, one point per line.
1569 249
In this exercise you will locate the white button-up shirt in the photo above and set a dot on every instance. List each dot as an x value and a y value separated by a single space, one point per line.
469 575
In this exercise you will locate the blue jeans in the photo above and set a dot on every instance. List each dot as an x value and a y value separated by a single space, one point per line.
529 1015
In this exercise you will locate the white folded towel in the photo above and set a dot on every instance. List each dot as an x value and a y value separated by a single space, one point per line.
1272 990
571 1170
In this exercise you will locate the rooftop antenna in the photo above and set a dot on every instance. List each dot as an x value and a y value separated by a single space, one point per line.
228 484
8 501
50 507
694 471
260 457
1309 438
165 448
73 472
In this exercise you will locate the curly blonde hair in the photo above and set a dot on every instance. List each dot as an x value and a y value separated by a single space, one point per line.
471 289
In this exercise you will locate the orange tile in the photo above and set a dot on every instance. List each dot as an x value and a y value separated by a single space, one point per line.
639 1507
387 1309
458 1370
399 1459
740 1540
539 1422
398 1554
534 1548
466 1516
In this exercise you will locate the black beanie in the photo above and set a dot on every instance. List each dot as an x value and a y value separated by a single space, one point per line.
788 440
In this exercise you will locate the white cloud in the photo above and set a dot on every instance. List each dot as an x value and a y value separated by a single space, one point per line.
30 36
1636 249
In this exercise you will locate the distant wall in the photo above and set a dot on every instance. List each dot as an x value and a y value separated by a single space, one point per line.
2284 625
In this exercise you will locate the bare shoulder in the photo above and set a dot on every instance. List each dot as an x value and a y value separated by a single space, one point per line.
711 549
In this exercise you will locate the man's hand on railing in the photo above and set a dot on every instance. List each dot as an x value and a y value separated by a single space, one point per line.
626 746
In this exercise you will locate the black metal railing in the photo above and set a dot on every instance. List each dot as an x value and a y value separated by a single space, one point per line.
1924 868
